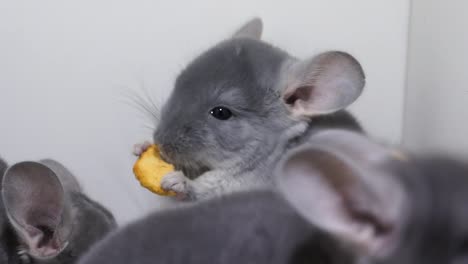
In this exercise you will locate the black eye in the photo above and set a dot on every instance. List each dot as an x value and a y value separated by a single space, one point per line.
221 113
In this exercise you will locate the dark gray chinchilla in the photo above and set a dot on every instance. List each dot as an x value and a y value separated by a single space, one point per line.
45 217
342 199
387 206
256 227
240 105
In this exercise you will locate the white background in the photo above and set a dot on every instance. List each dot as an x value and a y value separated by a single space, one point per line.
67 69
437 101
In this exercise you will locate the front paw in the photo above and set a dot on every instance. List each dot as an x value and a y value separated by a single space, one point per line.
138 149
176 182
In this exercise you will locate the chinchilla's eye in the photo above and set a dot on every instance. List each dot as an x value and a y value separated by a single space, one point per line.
221 113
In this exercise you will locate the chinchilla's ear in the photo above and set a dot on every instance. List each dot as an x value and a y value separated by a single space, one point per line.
323 84
68 180
252 29
338 183
38 208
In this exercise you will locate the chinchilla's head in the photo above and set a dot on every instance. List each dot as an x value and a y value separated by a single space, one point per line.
50 220
387 206
232 103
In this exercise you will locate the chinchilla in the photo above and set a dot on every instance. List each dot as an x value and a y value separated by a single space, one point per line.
342 198
239 106
46 218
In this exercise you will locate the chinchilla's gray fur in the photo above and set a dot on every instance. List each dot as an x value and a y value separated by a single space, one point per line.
276 102
45 218
342 199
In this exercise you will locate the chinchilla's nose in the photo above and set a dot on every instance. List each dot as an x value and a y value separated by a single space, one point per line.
165 148
157 137
162 137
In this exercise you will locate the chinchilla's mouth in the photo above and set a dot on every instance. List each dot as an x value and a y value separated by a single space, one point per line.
192 172
190 169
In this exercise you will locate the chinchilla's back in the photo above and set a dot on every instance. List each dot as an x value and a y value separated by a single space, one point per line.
256 227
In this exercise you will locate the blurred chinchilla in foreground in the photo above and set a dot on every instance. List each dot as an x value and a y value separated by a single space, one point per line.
342 198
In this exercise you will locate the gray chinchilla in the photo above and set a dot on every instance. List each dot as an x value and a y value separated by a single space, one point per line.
342 199
45 217
240 105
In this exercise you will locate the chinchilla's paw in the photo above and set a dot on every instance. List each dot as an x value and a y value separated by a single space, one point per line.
138 149
176 182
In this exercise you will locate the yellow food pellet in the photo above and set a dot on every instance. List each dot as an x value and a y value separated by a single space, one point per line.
150 169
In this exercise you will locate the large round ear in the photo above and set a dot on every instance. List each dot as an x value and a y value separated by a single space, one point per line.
324 84
38 208
252 29
334 182
68 180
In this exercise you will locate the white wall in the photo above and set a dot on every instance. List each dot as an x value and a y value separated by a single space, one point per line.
437 98
67 66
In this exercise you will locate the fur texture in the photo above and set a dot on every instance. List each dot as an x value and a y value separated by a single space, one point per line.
275 99
45 217
257 227
343 199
